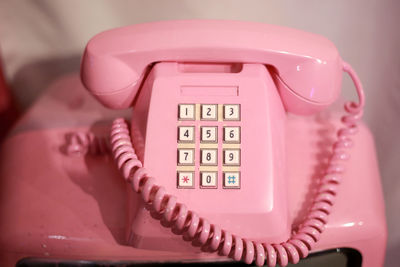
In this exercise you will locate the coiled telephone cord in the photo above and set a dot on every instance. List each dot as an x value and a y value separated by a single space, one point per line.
199 229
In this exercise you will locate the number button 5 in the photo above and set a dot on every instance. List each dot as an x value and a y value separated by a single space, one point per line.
209 134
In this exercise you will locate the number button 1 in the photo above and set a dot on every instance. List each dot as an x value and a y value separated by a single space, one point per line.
186 112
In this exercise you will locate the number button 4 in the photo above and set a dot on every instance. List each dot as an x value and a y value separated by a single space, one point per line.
232 112
209 134
186 134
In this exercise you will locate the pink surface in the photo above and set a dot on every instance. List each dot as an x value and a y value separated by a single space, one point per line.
308 65
74 207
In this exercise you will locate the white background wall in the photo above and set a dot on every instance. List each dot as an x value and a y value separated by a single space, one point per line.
41 40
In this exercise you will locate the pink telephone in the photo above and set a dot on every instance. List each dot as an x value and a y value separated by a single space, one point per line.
209 101
221 168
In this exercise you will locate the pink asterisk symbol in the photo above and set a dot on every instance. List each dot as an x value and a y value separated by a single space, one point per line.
185 179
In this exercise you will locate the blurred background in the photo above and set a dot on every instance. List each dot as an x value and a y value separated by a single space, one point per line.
41 40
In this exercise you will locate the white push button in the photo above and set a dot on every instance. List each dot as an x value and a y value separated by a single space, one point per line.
231 180
232 157
187 112
232 112
208 179
185 180
232 134
186 134
209 112
185 156
209 134
209 156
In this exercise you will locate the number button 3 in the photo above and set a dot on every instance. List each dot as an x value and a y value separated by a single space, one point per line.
232 112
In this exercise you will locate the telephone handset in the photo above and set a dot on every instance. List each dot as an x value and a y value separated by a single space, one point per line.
209 101
308 66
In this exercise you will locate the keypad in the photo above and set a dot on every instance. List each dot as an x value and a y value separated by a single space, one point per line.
208 140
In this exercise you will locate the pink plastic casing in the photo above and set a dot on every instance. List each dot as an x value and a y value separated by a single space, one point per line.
258 210
308 66
74 207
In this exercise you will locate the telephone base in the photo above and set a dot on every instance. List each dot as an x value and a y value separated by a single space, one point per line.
57 206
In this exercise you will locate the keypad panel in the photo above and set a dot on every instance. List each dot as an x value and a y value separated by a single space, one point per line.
208 146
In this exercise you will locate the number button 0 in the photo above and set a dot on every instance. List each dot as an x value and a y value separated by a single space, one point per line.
209 112
186 134
232 134
209 157
208 179
232 112
186 156
186 112
209 134
232 157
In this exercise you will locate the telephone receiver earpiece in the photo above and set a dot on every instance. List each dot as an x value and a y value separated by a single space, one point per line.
306 68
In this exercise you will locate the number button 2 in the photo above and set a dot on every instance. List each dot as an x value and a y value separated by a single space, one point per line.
209 112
